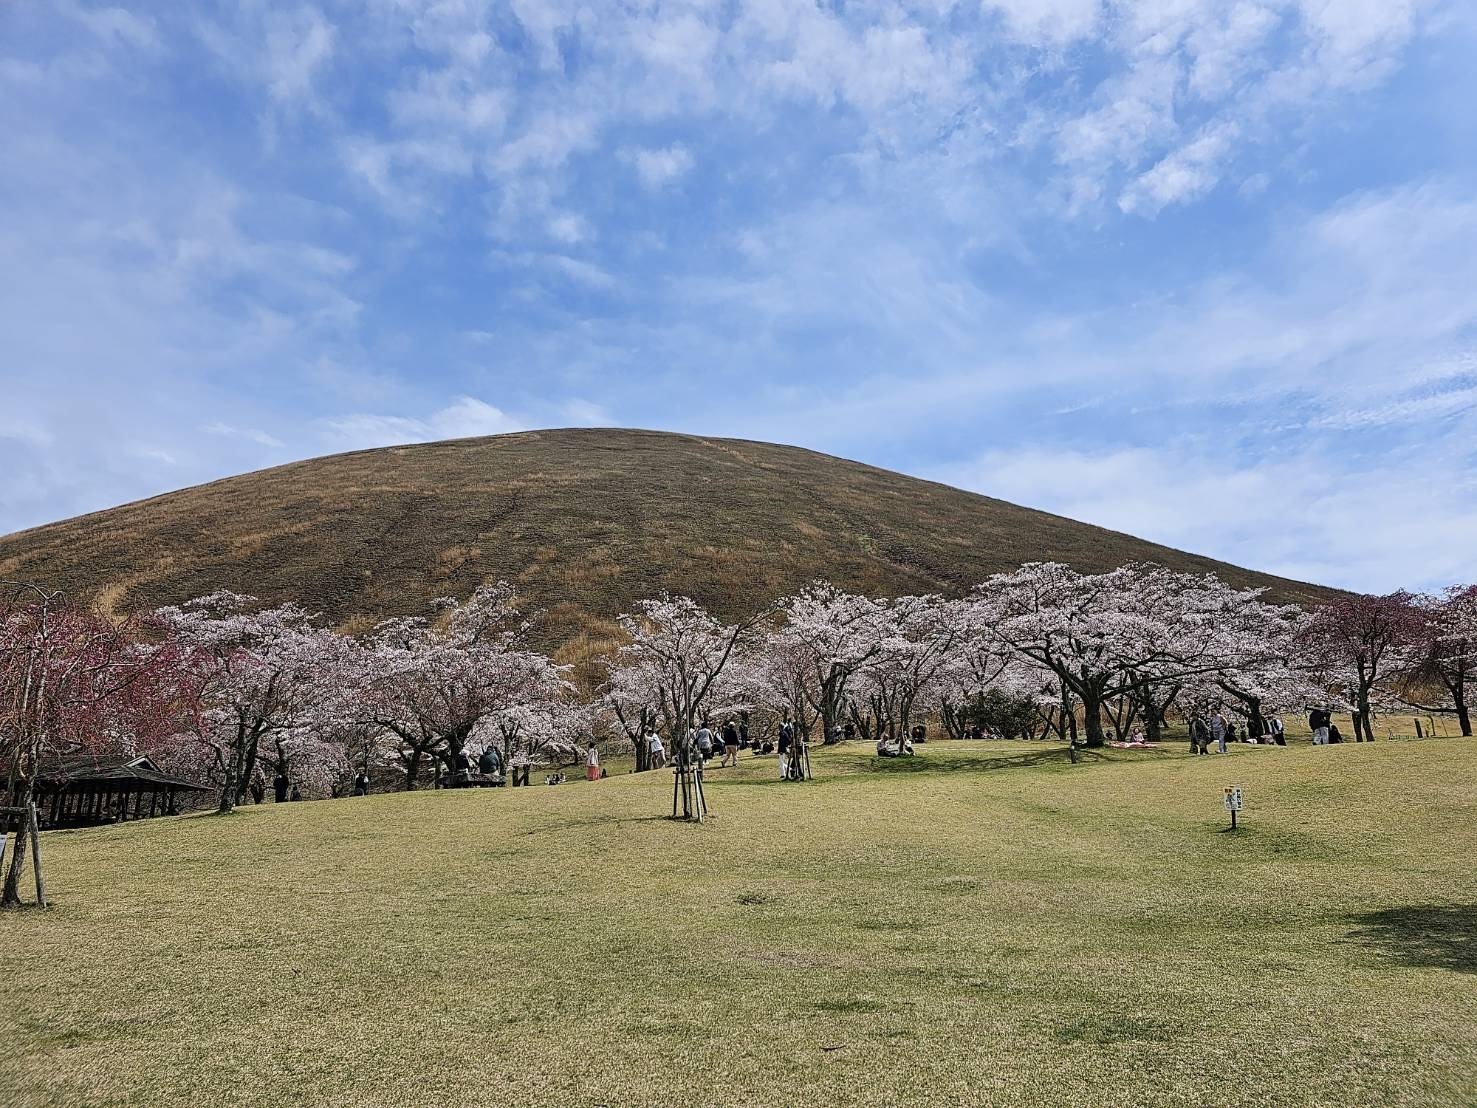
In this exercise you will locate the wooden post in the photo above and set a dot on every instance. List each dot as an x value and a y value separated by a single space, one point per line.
36 857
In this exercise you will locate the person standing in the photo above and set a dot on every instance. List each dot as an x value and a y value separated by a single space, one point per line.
592 762
654 749
704 742
787 733
1218 729
1275 732
1318 721
1199 734
730 745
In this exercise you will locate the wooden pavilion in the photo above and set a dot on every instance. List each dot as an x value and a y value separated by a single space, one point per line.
83 790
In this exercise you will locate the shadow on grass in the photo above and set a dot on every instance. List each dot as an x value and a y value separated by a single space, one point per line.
597 821
1439 936
979 763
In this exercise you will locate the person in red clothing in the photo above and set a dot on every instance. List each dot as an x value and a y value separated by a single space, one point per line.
592 763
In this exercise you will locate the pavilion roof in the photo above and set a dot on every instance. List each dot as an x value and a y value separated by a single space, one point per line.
62 769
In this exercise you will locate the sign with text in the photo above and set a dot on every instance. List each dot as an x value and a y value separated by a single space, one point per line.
1233 798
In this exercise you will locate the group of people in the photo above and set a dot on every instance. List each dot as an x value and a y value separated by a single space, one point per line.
705 742
1325 731
1221 730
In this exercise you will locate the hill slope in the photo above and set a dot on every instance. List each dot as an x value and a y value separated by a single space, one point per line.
585 521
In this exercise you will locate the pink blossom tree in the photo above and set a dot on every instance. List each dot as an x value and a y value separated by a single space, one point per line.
72 679
257 672
1366 641
438 685
677 652
1445 653
830 634
1107 635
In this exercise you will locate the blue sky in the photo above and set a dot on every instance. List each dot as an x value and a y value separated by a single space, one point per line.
1201 270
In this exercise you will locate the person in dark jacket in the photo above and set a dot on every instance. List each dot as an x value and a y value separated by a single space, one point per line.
1318 722
1199 735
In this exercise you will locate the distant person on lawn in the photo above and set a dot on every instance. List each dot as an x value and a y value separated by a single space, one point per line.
592 763
704 742
654 748
491 763
730 745
1199 735
1218 728
1275 732
1318 723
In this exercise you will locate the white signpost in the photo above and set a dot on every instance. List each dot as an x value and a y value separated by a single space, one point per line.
1233 802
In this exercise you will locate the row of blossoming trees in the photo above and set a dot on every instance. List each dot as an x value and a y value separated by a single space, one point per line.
228 687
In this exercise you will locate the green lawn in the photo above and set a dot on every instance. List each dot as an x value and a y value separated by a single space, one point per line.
983 924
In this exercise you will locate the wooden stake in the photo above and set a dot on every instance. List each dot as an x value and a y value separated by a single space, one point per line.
36 857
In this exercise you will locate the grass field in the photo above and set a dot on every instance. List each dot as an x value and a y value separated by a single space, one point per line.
983 924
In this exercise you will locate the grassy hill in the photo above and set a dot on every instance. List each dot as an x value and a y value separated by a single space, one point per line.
585 521
981 925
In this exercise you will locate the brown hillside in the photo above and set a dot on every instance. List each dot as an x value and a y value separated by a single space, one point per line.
585 521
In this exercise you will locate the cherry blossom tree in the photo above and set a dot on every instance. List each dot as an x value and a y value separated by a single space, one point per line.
1365 640
1108 635
830 635
437 684
631 697
1445 653
72 679
678 652
256 672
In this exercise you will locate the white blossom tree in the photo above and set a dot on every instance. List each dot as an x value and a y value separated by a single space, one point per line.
258 672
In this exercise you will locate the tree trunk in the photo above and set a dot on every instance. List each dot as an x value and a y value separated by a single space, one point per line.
12 895
1253 717
1464 718
1092 720
413 770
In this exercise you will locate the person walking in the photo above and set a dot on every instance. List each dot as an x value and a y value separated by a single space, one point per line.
730 745
704 742
592 762
1218 727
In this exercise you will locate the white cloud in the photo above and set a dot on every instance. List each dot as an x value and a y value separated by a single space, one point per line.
1295 510
467 417
1184 175
1048 22
659 168
585 413
249 434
